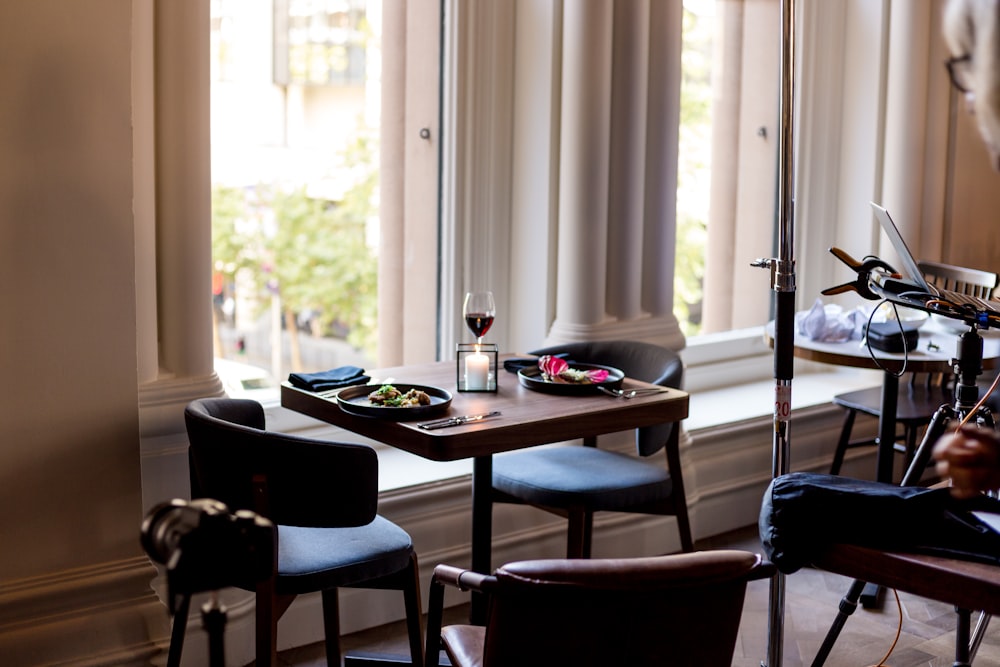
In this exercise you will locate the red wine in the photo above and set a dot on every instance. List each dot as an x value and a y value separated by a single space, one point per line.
479 323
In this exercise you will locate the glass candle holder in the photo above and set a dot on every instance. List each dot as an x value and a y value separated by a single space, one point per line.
476 366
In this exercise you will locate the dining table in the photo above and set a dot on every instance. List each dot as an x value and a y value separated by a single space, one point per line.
528 414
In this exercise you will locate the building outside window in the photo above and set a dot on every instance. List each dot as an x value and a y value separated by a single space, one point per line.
295 117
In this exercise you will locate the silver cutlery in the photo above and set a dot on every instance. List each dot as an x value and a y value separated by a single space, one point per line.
631 393
458 421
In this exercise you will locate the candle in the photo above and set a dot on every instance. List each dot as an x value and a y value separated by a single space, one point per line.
477 371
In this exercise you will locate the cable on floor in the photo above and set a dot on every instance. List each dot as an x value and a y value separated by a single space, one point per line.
899 630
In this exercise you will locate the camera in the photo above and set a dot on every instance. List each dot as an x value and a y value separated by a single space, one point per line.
205 547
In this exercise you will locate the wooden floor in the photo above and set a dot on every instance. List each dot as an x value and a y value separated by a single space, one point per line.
811 601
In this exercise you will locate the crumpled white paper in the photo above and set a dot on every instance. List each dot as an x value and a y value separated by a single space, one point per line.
829 323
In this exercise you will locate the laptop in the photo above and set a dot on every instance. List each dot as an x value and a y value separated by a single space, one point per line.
913 288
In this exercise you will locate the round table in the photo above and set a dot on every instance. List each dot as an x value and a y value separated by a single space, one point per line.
936 352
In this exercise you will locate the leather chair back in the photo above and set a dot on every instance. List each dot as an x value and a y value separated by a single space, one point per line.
679 610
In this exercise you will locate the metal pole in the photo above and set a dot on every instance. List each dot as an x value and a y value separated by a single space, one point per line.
783 285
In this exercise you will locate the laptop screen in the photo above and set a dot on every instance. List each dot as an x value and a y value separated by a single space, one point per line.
910 268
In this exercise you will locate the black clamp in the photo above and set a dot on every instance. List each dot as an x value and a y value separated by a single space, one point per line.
863 269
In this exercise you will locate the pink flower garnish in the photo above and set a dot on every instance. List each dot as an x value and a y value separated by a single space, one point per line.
552 366
556 368
597 375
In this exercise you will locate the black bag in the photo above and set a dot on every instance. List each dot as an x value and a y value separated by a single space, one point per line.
803 512
891 337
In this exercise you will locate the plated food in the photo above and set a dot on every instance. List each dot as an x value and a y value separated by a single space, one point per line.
390 397
396 402
554 375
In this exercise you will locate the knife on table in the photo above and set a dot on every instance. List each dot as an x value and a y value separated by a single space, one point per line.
458 421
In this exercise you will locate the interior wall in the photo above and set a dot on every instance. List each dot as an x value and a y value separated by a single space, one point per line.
73 578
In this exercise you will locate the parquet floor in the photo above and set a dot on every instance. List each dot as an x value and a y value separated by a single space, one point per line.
811 601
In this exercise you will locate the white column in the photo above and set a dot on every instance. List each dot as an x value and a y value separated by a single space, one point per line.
583 159
627 176
661 146
905 121
717 295
183 192
392 189
618 171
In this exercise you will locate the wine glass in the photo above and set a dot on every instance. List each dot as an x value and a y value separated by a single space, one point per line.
479 311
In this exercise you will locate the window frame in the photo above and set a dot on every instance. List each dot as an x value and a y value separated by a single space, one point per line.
836 125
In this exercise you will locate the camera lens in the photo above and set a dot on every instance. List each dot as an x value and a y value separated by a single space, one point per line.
167 523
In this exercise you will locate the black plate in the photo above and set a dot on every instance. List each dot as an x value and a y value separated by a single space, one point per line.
532 379
355 401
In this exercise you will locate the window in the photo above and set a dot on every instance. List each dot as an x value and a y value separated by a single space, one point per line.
295 141
499 148
728 163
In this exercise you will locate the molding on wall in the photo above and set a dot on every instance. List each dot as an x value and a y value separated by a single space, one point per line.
104 614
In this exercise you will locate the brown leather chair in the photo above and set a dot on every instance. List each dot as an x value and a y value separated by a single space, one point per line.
678 609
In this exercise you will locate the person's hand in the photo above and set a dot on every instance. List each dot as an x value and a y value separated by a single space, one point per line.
970 457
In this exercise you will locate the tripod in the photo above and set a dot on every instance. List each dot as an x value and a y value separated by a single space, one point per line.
213 620
968 366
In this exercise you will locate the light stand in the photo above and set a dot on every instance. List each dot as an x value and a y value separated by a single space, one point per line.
783 284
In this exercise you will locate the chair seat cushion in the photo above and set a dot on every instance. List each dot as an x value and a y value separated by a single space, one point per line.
576 476
311 559
913 404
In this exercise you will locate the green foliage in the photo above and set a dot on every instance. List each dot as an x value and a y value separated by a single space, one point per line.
314 252
694 171
232 247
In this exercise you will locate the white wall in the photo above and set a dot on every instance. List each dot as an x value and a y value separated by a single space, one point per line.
73 579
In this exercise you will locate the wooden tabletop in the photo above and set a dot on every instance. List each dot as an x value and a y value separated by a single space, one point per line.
966 584
935 349
528 417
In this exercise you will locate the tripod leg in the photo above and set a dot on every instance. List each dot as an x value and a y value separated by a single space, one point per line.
177 631
213 619
978 633
936 428
847 606
962 658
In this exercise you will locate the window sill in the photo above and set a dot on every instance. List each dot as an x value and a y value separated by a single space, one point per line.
754 400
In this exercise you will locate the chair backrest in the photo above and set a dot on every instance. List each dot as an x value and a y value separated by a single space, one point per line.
305 482
681 609
642 361
960 279
973 282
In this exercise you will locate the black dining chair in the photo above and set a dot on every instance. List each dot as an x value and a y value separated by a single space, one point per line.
681 609
576 481
920 394
323 497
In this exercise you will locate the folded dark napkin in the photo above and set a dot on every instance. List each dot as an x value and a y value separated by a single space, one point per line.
517 363
335 378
